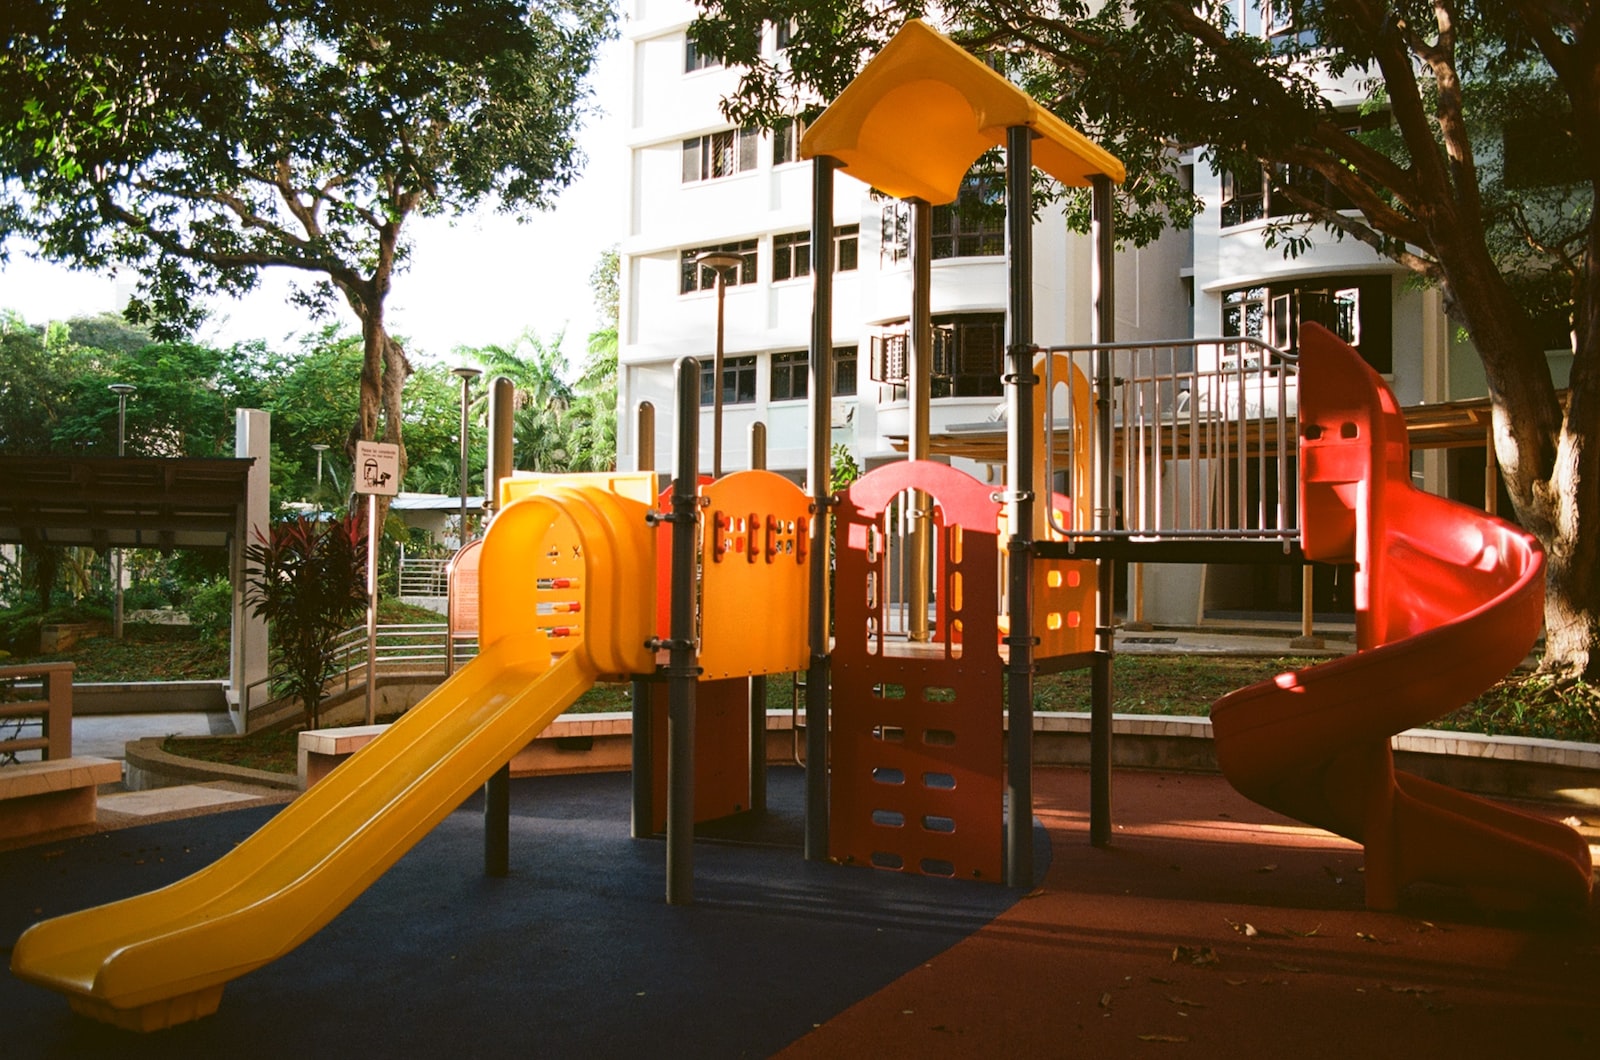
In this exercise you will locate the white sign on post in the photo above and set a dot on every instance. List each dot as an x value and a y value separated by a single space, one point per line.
377 475
377 468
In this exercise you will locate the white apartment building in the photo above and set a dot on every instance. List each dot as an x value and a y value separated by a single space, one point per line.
696 184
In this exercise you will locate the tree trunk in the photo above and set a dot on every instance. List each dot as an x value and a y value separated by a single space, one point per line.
1547 459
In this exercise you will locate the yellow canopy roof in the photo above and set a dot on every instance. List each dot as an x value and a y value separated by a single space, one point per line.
921 112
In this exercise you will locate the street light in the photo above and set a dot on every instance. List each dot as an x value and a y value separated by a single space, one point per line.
122 390
718 261
466 375
320 447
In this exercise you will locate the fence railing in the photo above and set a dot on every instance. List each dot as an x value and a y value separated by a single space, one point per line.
401 647
424 577
1202 439
35 713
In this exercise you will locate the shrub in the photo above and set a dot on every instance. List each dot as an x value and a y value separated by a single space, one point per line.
210 609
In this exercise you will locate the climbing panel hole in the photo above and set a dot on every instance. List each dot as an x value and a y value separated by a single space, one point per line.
938 694
937 867
935 823
889 775
872 590
954 603
874 544
1052 620
1311 431
888 691
1349 429
1074 619
939 738
888 818
889 733
883 859
1074 579
939 781
1053 579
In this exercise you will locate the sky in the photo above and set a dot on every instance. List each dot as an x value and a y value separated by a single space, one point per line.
481 279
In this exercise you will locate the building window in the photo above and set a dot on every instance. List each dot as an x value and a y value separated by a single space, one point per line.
1357 309
695 59
789 374
975 224
844 371
719 154
785 31
894 246
738 381
1244 197
791 255
791 252
786 140
694 277
968 356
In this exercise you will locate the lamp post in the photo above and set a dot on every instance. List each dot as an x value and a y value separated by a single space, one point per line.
719 262
320 447
122 390
466 375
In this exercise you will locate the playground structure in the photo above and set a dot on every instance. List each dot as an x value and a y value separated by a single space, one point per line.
912 764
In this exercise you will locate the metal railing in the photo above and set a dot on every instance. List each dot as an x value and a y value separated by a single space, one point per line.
424 577
410 648
1201 437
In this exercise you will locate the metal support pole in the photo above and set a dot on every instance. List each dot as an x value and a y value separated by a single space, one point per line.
497 465
1105 616
819 475
682 672
644 763
919 401
372 606
1019 514
758 683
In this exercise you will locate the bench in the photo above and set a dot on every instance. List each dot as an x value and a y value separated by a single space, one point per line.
52 796
58 791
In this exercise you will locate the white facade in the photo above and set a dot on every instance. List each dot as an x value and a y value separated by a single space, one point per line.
669 214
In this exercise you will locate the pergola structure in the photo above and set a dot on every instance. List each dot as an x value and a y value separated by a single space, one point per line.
154 502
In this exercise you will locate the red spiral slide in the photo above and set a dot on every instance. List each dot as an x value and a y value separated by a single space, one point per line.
1448 601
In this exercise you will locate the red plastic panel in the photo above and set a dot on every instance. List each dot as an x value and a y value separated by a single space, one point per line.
917 775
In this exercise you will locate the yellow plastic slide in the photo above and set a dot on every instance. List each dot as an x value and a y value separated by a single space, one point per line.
162 958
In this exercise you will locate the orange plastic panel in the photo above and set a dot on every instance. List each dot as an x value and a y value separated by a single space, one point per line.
1064 594
721 749
1449 600
755 576
917 776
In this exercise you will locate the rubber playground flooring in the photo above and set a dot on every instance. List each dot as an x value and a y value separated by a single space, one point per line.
1210 927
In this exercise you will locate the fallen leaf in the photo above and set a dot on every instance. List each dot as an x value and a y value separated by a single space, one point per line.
1413 989
1037 892
1105 1000
1363 936
1195 955
1183 1002
1236 982
1268 868
1163 1038
1162 980
1303 934
1288 968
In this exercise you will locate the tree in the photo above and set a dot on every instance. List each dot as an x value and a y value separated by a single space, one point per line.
1474 163
306 580
593 419
543 397
199 143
